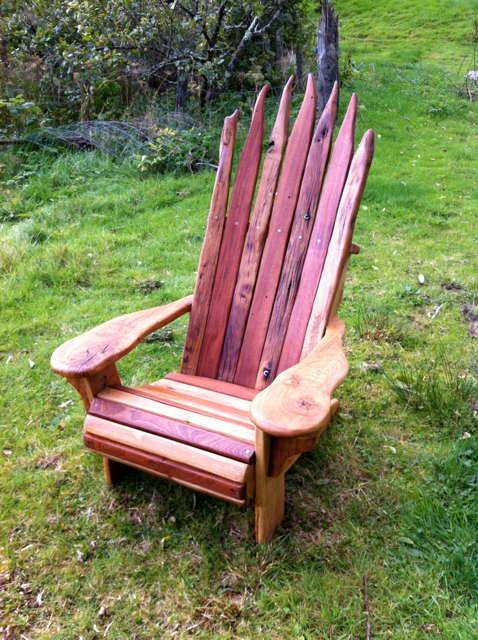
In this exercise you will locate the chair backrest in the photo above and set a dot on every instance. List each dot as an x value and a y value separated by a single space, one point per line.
268 281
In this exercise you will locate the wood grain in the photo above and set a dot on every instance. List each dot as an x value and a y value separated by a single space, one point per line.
176 451
176 471
95 350
190 391
299 402
319 241
284 449
339 246
228 388
172 429
255 238
232 242
230 428
205 407
210 248
301 230
270 492
276 242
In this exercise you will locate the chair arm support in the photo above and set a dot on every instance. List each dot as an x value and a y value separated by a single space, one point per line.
299 401
94 350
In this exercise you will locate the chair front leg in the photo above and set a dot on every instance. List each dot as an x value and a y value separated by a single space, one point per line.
88 387
270 491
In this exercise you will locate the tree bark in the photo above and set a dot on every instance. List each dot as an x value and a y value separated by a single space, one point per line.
182 94
327 53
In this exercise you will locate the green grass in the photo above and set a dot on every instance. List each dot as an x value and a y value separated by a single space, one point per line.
391 491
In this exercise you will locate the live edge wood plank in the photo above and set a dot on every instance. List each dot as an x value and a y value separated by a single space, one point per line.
197 458
299 401
335 177
172 429
95 350
339 246
210 248
276 242
255 238
302 225
232 242
184 474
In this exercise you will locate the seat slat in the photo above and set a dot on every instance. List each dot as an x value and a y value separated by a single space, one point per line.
228 388
188 390
204 407
232 242
276 242
176 451
238 430
181 473
255 238
339 246
302 226
211 245
319 240
172 429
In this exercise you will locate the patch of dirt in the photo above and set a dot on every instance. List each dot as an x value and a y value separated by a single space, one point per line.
150 285
470 313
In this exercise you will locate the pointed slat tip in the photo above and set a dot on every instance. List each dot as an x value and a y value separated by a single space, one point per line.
310 87
368 140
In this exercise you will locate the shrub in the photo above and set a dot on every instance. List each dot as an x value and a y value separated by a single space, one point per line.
179 151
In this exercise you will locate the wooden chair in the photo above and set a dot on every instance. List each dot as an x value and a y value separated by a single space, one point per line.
263 351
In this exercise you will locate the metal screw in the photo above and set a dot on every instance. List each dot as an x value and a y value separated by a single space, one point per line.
307 216
266 373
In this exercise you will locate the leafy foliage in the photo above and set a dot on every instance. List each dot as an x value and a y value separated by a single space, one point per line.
81 58
176 151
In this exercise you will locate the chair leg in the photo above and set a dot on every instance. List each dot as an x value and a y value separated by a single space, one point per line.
270 492
114 471
269 508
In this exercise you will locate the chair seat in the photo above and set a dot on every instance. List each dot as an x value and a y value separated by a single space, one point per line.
193 430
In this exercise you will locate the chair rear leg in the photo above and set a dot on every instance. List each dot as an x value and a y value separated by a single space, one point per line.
114 471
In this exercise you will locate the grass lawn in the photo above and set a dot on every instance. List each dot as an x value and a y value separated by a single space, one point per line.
388 498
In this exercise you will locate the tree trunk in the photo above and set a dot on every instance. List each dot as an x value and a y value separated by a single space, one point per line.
299 65
182 91
327 53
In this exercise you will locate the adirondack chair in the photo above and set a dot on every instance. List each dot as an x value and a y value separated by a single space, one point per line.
263 352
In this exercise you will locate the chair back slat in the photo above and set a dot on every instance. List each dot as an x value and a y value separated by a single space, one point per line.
339 245
232 242
210 249
319 240
276 242
302 226
255 238
269 281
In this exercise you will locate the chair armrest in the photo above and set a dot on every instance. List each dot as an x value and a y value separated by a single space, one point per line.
299 401
94 350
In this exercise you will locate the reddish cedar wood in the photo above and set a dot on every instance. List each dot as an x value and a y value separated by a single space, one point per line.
210 248
319 241
95 350
299 401
339 246
255 238
302 226
214 385
276 242
158 465
173 429
232 242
